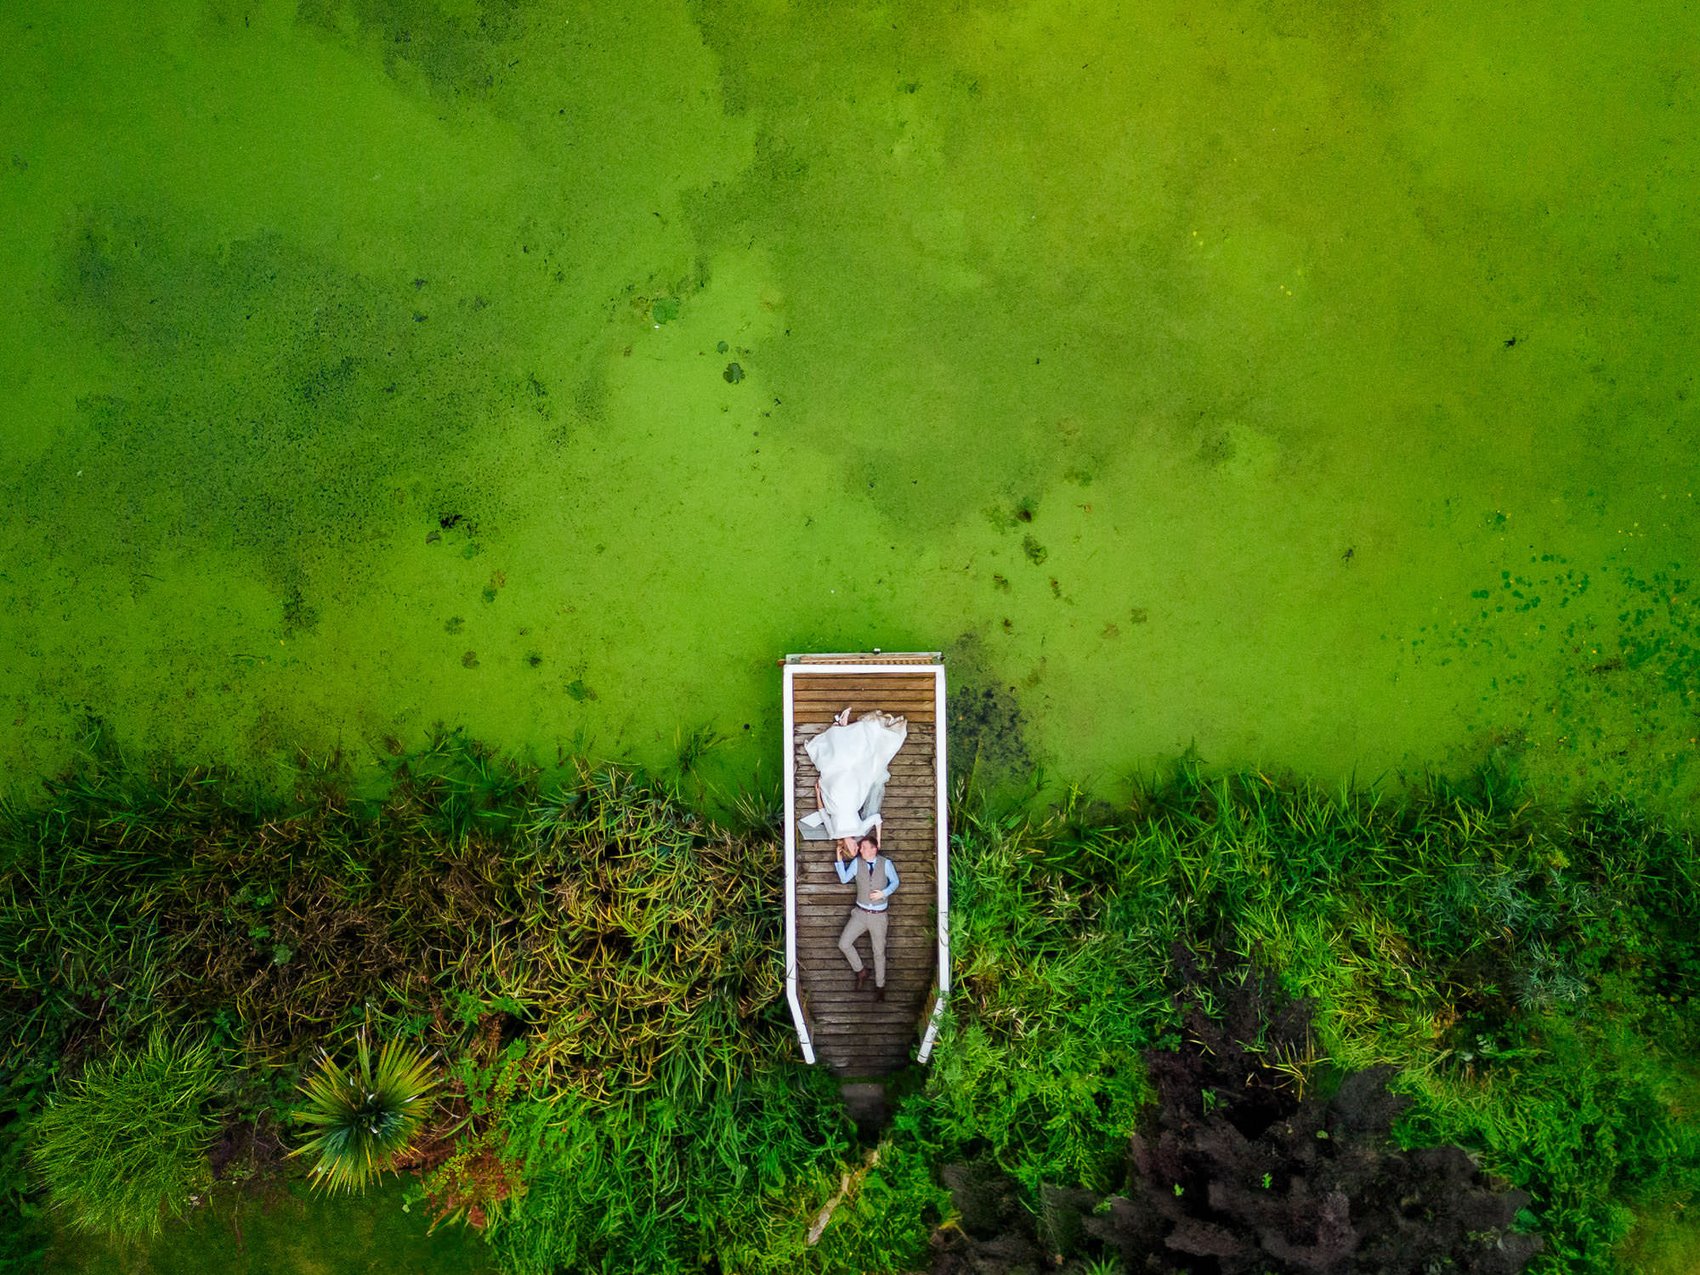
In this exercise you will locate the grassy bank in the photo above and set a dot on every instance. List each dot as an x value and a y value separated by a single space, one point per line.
285 1231
596 968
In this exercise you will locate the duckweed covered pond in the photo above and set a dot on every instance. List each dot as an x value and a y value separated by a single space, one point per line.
1312 386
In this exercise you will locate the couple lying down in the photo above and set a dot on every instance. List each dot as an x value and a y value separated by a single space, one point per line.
852 758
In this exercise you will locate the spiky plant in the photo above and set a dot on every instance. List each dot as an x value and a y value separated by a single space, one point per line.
364 1117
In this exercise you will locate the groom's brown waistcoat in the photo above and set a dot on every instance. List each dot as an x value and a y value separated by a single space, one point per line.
865 881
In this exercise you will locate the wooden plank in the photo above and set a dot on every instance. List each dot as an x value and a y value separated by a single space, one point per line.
862 695
919 740
820 710
903 901
911 757
904 835
897 797
901 999
860 700
898 803
861 1002
884 1063
808 730
821 677
917 826
820 715
916 750
824 941
905 790
829 905
860 703
802 680
900 1028
845 1049
834 925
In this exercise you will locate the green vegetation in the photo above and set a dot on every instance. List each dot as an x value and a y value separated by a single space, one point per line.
285 1230
124 1143
364 1118
598 967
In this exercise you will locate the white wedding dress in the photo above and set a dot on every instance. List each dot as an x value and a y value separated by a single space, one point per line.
852 762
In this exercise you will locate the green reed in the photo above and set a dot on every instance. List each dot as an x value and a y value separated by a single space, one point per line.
123 1145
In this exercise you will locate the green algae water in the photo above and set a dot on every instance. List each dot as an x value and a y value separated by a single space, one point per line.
1311 385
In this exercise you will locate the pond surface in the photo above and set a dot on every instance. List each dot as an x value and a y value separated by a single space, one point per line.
1313 386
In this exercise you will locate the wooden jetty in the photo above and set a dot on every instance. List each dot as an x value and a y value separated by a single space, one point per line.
837 1026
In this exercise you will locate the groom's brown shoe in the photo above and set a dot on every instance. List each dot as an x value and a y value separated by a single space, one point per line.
861 979
879 993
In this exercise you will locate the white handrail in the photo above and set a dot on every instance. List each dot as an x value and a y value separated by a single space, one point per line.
941 765
791 880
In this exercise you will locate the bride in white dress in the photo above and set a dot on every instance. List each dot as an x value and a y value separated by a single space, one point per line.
852 758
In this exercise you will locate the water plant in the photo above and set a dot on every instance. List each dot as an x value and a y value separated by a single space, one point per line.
123 1145
363 1118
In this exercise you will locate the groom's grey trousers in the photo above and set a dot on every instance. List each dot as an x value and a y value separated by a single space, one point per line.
873 925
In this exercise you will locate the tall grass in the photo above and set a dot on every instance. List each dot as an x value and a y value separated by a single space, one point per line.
124 1144
600 964
601 912
1527 971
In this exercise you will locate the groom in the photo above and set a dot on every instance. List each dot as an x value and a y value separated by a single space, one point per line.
876 882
